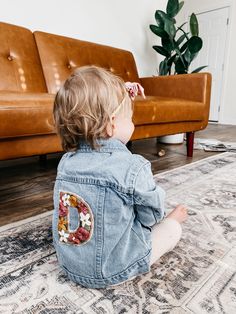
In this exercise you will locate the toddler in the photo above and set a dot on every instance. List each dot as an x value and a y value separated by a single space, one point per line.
108 223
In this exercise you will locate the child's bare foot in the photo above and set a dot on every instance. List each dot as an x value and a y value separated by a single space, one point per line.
179 213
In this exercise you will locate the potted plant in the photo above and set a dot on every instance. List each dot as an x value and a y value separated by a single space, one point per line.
178 47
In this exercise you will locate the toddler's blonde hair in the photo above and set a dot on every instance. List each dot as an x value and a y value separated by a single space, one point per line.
84 105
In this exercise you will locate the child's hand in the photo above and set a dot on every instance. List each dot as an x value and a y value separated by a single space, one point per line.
134 89
179 213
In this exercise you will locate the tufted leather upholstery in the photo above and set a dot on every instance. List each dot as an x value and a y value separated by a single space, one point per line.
33 67
61 55
26 124
19 60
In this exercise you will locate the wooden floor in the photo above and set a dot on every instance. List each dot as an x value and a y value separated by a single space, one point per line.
26 187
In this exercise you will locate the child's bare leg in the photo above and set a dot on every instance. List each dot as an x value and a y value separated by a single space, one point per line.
167 234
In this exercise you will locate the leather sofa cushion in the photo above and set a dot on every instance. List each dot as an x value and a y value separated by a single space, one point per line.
61 55
156 109
19 60
31 114
25 114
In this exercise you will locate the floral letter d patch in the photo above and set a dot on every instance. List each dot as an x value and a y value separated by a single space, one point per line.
84 230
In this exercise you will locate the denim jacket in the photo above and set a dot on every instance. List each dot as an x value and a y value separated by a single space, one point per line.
106 202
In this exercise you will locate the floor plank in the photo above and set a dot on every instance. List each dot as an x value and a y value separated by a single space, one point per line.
26 187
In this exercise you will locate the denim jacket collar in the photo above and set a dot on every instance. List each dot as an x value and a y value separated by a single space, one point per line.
106 146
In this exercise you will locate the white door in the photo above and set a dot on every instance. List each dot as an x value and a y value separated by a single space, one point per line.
213 27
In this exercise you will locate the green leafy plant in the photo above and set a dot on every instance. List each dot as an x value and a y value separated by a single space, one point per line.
177 46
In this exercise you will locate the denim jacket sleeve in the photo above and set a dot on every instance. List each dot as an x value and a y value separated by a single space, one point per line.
148 198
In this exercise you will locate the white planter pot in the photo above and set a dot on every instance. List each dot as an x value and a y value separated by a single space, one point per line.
172 139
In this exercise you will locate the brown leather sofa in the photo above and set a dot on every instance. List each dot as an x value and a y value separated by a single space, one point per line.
34 65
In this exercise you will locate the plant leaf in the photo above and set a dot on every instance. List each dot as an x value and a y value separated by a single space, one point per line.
169 23
187 56
162 15
170 28
194 44
179 54
180 40
193 56
163 68
180 27
180 6
186 34
158 31
161 50
180 67
172 7
185 45
199 69
171 60
167 44
159 20
194 25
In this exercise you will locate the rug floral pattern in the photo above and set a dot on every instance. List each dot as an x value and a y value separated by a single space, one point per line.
199 276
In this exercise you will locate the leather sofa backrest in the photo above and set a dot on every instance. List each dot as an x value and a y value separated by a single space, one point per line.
61 55
19 60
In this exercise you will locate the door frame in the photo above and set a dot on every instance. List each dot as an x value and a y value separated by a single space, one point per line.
207 7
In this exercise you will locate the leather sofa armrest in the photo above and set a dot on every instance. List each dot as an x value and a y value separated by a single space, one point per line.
195 87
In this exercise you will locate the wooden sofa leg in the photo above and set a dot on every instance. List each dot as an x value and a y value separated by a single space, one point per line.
190 141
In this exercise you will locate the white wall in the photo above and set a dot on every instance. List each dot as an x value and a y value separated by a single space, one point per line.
228 101
119 23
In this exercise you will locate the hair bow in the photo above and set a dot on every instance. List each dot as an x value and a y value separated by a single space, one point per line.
134 89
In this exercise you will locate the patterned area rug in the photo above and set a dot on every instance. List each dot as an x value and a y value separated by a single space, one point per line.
197 277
